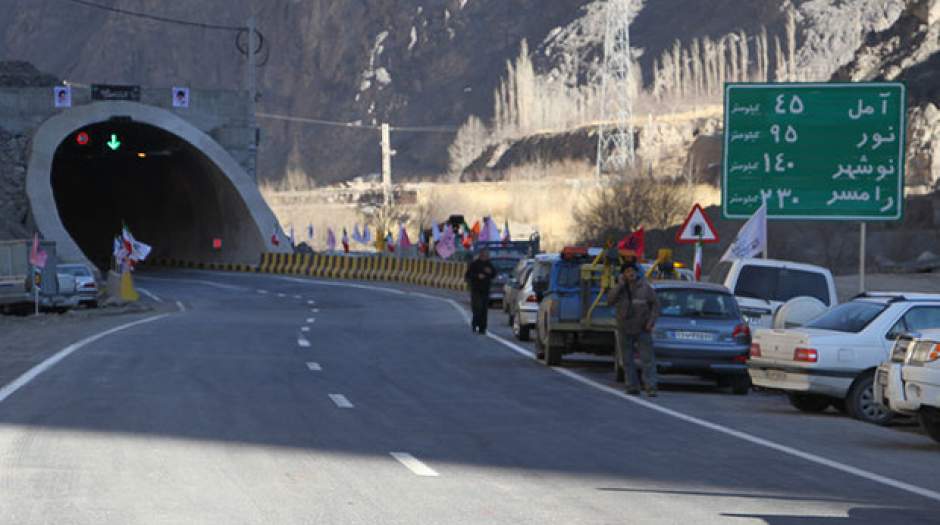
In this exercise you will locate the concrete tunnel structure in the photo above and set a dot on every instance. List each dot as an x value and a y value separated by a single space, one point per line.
174 187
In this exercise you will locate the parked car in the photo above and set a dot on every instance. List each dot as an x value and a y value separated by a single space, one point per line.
514 284
832 360
85 286
909 382
700 331
761 286
525 306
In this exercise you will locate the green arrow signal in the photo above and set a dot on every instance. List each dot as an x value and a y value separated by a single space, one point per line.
114 143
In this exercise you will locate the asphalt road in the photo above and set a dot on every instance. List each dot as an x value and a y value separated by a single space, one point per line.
266 399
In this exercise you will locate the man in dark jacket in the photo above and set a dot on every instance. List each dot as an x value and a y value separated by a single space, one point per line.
637 309
479 275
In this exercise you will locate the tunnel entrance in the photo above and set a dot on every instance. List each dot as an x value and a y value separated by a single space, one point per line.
168 193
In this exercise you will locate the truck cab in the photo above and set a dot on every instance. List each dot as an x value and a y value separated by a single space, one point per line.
573 314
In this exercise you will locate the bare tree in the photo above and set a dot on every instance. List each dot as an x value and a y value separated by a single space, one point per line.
614 211
791 45
470 142
780 72
764 75
744 54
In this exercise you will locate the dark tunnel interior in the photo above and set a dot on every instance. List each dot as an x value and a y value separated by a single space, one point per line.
168 193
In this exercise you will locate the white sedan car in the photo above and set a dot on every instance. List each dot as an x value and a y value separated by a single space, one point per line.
832 360
909 383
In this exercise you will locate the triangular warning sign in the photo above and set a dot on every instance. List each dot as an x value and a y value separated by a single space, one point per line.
697 228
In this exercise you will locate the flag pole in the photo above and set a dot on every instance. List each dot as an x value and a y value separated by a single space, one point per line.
861 258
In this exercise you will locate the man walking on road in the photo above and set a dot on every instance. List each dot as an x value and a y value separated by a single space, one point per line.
479 275
637 309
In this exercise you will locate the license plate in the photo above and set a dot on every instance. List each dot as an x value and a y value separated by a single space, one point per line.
776 375
693 336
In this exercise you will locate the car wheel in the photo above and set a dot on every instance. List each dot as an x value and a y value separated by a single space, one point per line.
521 332
930 419
539 346
861 402
740 385
553 349
811 403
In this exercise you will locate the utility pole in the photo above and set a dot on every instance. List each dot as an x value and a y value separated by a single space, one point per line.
387 163
615 145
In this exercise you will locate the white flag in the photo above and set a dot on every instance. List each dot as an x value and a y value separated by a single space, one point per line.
751 239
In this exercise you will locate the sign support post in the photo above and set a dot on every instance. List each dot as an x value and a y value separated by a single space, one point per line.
861 257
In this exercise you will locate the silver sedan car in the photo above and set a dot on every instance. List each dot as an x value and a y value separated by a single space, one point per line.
85 284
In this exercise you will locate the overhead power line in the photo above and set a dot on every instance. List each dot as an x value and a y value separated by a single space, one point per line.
156 18
356 125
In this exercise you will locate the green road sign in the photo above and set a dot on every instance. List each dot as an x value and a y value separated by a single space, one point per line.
114 143
814 151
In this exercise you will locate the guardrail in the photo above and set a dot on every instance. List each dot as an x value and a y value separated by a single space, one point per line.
420 271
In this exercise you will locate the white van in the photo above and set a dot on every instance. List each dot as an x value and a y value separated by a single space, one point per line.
761 286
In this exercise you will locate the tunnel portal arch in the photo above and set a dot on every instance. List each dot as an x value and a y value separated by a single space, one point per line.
256 222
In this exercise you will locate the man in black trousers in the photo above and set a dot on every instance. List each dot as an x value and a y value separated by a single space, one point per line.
479 275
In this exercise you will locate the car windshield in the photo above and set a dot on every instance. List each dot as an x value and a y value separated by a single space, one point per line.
683 302
849 317
77 271
504 265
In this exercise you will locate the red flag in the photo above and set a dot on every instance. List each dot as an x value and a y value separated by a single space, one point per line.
345 241
635 241
274 240
475 230
467 242
37 256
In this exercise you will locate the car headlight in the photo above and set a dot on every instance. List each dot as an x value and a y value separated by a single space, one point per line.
926 352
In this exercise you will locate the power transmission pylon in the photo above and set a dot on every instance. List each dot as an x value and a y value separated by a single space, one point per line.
615 147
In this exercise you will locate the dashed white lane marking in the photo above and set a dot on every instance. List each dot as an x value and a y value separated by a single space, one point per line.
340 401
281 295
315 310
263 292
296 297
303 342
414 464
311 301
181 306
149 294
819 460
304 328
314 367
311 320
33 372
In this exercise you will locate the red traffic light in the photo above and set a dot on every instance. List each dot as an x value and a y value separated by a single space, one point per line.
82 138
216 244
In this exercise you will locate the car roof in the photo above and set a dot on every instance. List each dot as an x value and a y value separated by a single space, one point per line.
689 285
896 297
777 263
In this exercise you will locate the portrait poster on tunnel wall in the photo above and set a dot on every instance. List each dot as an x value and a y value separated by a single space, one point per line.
181 97
62 96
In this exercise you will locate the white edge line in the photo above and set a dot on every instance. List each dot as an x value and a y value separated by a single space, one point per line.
179 304
35 371
848 469
303 342
415 465
304 328
149 294
314 367
311 320
340 401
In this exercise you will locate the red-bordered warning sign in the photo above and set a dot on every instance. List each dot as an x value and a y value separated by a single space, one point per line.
697 228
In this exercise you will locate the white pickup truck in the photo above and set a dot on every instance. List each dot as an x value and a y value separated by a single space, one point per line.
762 286
909 382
